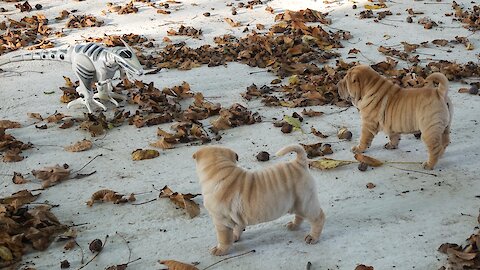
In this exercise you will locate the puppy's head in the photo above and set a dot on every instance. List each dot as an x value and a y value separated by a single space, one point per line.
212 153
350 87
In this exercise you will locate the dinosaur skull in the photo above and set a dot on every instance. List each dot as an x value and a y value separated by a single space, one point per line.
126 58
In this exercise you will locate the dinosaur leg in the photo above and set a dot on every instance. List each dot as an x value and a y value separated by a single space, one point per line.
104 91
85 72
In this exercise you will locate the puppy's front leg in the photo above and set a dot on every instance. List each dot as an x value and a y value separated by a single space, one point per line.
224 239
368 132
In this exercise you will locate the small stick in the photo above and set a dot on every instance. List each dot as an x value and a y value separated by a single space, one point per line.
99 155
77 225
402 169
104 243
149 201
260 71
81 250
251 251
126 243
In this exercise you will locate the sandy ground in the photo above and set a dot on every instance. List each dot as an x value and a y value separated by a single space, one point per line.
397 225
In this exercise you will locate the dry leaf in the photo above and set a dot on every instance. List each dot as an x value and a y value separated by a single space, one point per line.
56 117
364 267
6 124
327 163
182 200
176 265
232 22
368 160
5 254
141 154
18 178
52 175
35 116
79 146
107 195
370 185
163 143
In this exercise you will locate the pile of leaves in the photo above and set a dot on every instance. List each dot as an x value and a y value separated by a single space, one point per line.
116 40
9 146
470 17
28 31
23 227
185 31
127 9
290 47
467 257
81 21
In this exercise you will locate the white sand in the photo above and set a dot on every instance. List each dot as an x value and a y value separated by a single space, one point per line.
386 227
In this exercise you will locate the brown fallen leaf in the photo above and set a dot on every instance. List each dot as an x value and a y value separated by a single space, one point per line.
141 154
368 160
12 155
79 146
328 163
107 195
18 178
182 200
163 143
56 117
232 22
35 116
364 267
52 175
6 124
20 198
370 185
176 265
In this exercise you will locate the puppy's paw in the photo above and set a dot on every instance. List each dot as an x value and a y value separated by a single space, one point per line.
390 146
217 251
427 166
291 226
236 237
357 149
309 239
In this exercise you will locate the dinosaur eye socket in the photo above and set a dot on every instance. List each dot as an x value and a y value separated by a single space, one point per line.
126 54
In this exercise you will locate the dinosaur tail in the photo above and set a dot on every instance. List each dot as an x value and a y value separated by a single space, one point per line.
54 54
441 80
301 154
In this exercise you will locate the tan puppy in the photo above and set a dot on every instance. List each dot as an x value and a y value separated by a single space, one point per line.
235 197
388 107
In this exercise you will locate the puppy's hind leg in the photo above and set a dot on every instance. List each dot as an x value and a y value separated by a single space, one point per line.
224 239
433 138
394 140
316 222
295 223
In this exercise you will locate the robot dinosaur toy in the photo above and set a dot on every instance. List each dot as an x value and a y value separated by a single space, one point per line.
91 62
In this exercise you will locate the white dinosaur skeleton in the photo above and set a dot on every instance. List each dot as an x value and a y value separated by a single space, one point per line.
91 62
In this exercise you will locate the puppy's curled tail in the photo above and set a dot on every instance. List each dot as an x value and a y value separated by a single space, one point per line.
441 80
301 154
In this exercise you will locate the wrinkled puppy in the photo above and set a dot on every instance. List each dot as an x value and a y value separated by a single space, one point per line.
235 197
395 110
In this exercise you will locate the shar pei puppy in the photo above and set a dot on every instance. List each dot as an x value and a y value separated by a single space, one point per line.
236 198
385 106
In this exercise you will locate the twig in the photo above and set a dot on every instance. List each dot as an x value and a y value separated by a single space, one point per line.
82 175
77 225
126 243
260 71
149 201
364 56
335 112
402 169
251 251
99 155
104 243
388 24
81 250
